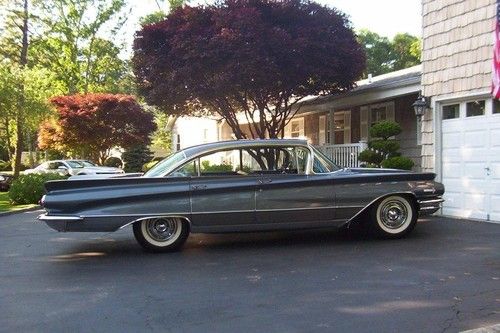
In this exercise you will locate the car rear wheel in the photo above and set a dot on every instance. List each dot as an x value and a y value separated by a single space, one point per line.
394 216
164 234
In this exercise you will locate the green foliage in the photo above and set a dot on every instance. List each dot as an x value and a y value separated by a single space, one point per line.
152 163
135 157
113 162
383 151
398 162
388 147
29 189
5 166
371 157
223 167
384 55
162 137
152 18
385 129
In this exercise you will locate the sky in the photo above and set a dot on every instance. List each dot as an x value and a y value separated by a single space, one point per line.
385 17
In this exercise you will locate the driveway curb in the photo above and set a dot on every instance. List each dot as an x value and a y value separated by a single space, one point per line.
20 211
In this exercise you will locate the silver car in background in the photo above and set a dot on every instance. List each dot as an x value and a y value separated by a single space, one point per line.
74 168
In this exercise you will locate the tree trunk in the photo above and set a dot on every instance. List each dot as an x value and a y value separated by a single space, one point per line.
20 111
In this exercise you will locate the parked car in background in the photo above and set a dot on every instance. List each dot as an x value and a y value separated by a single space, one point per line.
246 185
74 168
5 181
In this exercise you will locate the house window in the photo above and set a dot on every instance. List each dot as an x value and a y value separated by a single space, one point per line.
451 111
295 129
496 106
475 108
339 127
342 127
378 114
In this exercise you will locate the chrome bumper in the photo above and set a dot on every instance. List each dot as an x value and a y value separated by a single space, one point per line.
45 217
429 206
59 222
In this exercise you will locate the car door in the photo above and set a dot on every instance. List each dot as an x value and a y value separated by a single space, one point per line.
223 191
287 195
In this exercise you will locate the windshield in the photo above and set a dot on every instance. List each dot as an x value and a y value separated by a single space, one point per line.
88 164
75 164
166 166
322 164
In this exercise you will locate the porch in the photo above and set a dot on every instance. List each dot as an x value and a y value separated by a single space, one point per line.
345 155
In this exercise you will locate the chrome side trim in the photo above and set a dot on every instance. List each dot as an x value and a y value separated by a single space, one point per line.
134 215
157 216
430 208
45 217
430 201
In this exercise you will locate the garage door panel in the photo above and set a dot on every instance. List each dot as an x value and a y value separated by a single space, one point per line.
451 170
451 140
475 138
453 199
474 170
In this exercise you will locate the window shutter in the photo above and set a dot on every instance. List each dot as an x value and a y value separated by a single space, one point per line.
288 128
347 126
364 120
322 130
390 111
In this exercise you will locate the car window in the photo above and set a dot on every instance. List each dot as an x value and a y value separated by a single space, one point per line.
281 160
187 170
166 166
322 164
75 164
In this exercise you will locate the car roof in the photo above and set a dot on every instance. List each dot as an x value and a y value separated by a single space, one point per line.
220 145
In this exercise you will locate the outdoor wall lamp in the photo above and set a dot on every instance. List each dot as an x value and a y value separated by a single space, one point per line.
421 105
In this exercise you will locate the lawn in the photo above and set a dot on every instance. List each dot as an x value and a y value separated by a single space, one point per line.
5 205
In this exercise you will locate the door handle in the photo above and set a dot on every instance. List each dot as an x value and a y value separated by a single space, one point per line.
198 187
487 171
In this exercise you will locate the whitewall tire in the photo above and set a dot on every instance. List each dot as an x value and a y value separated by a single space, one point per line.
161 234
394 216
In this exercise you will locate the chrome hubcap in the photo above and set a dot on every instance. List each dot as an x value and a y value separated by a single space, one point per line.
161 230
393 214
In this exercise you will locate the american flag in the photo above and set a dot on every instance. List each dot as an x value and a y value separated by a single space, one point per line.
495 86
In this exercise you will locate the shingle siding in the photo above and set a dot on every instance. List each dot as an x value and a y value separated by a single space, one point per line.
456 55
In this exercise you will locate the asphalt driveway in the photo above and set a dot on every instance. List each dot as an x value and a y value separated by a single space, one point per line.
444 277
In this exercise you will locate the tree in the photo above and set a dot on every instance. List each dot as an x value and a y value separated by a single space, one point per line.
73 47
135 157
259 58
91 125
382 150
406 49
384 55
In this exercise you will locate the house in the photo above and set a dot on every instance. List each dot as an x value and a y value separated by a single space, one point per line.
339 124
461 129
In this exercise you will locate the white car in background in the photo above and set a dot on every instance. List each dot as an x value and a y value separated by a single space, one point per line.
74 168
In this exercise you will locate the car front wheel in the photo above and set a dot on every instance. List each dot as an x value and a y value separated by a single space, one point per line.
394 216
164 234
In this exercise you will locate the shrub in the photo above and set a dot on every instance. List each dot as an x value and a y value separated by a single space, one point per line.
398 162
5 166
207 167
28 189
113 162
134 158
383 151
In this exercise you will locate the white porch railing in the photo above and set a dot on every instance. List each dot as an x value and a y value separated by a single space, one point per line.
345 155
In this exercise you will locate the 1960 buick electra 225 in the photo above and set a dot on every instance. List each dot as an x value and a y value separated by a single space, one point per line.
239 186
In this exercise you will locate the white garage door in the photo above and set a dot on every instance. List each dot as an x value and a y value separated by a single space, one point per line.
471 159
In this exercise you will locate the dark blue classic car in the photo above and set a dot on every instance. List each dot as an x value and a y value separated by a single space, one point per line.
245 185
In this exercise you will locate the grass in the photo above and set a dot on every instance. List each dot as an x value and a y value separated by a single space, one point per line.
6 206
